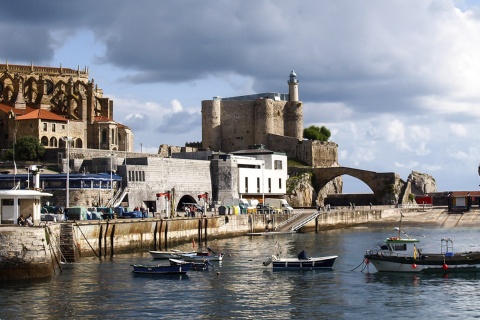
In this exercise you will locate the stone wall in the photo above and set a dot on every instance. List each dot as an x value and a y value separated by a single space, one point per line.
29 252
160 234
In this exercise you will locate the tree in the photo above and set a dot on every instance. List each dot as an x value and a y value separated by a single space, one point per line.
29 148
316 133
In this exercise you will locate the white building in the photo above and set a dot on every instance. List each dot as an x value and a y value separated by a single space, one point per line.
255 173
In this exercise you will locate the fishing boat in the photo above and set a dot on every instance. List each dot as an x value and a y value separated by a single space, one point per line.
175 267
302 262
171 254
198 265
401 254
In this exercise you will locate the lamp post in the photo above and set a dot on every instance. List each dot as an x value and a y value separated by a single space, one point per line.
111 170
68 140
263 182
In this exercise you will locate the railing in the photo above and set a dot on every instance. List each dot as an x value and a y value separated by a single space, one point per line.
288 220
119 200
305 221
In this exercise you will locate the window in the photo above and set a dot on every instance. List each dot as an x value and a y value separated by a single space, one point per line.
53 127
246 184
258 185
269 185
280 183
278 165
45 126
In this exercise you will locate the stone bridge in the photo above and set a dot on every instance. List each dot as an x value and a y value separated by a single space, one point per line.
385 186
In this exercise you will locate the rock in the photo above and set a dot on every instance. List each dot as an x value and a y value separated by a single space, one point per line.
300 192
422 183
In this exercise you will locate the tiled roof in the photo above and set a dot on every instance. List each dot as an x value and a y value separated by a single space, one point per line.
42 114
102 119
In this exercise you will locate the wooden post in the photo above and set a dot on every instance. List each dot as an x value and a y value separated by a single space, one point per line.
112 236
100 241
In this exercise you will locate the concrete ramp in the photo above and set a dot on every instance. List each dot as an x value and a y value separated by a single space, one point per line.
296 222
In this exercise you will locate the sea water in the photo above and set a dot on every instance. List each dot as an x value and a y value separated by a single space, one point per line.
240 287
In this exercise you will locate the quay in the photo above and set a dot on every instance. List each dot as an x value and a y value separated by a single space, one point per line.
40 251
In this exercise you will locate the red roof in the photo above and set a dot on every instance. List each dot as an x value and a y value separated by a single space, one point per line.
41 114
102 119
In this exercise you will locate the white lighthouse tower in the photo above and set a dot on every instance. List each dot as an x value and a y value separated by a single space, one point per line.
293 86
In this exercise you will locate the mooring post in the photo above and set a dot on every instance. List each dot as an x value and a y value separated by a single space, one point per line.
155 236
100 241
166 235
112 237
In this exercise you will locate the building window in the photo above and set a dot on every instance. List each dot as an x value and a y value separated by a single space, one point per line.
45 126
246 184
269 185
258 185
280 183
278 164
63 127
53 127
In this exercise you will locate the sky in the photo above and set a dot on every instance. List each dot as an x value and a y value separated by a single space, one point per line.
396 82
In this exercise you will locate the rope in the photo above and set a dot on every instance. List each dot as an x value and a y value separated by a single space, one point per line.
87 240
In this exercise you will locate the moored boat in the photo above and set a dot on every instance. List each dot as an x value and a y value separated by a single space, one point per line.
302 262
202 256
175 267
401 254
171 254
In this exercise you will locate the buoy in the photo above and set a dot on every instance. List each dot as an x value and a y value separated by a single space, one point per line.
414 266
367 261
445 266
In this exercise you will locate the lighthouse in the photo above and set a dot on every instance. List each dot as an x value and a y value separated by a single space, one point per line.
293 86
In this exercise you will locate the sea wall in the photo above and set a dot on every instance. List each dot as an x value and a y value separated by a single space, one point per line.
29 252
119 236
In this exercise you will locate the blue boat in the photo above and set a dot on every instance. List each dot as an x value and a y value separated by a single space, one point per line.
175 267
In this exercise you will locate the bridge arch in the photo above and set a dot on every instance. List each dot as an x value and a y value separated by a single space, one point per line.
380 183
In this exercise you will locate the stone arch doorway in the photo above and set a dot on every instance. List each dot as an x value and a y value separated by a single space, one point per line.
185 199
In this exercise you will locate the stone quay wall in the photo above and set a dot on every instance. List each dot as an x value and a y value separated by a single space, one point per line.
107 238
29 252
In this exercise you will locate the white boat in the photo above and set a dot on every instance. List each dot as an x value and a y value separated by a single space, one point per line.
302 262
201 256
400 254
171 254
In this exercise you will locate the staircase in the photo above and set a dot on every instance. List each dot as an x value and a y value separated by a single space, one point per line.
117 199
303 222
67 243
296 222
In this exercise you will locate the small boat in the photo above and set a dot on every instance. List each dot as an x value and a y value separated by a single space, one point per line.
171 254
401 254
202 256
302 262
175 267
197 266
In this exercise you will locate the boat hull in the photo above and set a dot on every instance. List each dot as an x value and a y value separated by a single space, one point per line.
426 263
320 263
167 254
200 258
175 267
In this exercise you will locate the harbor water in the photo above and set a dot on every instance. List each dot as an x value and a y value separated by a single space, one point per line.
240 287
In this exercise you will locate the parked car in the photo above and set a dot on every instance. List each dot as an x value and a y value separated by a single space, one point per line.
265 208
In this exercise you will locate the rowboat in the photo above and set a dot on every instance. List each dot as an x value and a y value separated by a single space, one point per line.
175 267
202 256
301 262
171 254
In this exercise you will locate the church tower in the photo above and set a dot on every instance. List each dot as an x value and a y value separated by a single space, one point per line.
293 86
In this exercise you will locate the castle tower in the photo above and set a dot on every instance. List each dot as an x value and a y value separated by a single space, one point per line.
293 86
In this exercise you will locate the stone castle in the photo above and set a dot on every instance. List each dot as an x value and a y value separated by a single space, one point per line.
274 120
54 103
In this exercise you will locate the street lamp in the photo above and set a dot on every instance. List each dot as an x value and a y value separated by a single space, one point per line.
111 170
68 140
